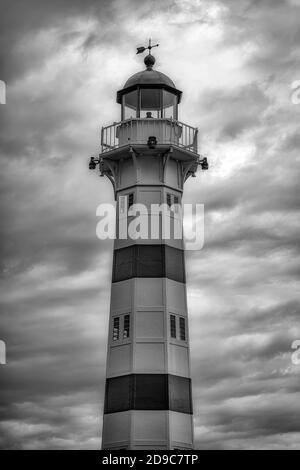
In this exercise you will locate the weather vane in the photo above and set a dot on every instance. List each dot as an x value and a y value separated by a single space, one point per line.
142 49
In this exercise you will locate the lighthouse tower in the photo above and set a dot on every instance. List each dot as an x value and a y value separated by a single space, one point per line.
148 155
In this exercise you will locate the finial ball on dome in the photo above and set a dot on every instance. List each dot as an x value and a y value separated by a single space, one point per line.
149 61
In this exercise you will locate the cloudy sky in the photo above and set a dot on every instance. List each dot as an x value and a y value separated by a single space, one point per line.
62 61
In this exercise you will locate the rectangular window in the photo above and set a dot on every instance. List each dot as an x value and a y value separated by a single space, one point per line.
173 326
126 329
169 200
130 200
116 328
176 202
169 105
130 105
182 328
122 202
151 103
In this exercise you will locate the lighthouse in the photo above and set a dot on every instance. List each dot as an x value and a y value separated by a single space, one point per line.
148 155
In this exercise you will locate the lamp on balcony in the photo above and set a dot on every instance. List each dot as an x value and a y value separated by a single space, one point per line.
204 163
92 164
152 142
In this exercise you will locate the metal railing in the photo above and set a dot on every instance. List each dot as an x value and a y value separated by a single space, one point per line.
138 130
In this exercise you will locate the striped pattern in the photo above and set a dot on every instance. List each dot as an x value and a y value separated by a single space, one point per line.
148 261
148 392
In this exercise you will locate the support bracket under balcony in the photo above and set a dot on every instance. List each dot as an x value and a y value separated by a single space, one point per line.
134 155
166 157
110 170
188 170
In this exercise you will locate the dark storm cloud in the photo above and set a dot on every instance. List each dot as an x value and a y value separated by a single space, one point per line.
63 62
20 20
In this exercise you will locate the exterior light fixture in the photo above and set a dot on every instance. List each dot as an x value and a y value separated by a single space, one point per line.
152 142
204 163
93 163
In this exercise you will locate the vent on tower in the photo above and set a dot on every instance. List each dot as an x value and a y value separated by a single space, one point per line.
126 329
182 328
116 328
173 326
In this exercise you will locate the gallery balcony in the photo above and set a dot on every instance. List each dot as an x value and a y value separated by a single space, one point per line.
136 131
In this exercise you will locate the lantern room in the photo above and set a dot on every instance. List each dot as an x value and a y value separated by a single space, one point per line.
149 94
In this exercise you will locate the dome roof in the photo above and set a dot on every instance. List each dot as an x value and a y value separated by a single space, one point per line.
149 77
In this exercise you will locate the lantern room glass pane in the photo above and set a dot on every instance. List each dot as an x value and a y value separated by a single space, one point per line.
130 104
150 103
169 105
150 98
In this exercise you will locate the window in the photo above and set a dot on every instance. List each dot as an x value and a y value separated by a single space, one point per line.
126 199
182 328
126 329
173 326
117 332
130 200
122 204
130 105
176 202
172 200
116 328
150 102
169 105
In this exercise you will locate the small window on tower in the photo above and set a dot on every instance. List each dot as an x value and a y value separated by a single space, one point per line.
176 202
126 329
130 200
182 328
169 199
173 326
116 328
122 204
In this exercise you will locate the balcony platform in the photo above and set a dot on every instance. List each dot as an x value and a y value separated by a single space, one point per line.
175 152
118 138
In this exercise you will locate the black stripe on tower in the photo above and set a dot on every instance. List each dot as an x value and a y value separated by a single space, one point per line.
148 261
148 392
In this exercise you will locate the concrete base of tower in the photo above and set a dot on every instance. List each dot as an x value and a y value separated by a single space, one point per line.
140 429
